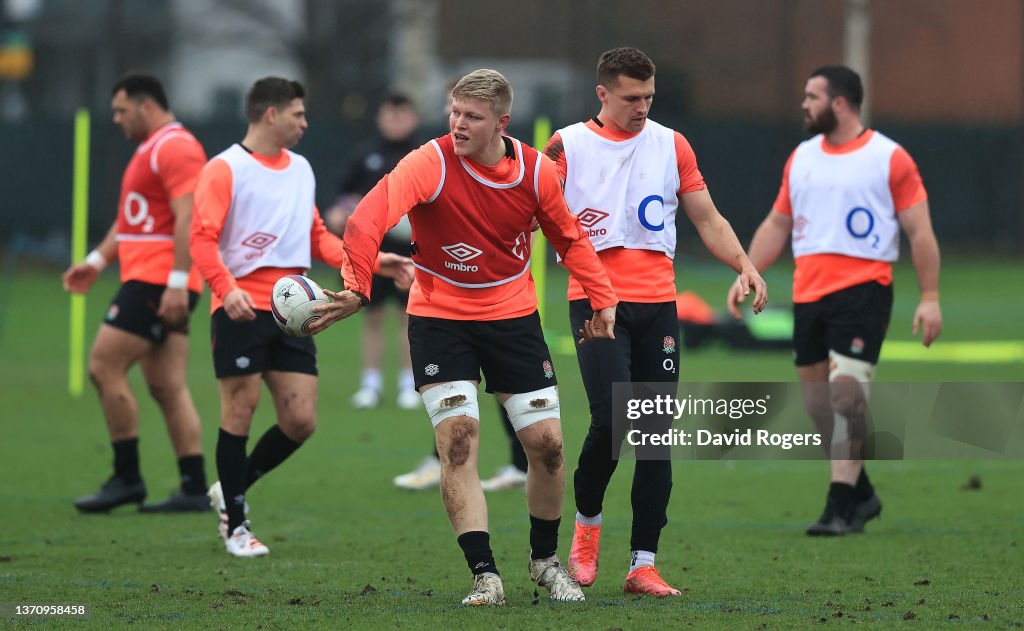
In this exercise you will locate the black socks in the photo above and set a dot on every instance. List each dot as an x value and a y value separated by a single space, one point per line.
126 460
231 467
543 537
272 449
192 474
841 494
476 545
863 490
126 467
237 472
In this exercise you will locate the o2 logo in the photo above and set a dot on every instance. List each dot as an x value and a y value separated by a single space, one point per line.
860 222
642 213
136 211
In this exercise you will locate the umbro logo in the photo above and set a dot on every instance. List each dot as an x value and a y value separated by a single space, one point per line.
590 217
462 252
259 240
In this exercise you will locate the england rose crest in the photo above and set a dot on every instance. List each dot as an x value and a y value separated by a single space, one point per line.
549 372
669 345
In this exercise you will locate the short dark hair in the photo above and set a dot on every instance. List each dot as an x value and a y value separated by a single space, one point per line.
397 99
632 62
139 86
842 81
271 92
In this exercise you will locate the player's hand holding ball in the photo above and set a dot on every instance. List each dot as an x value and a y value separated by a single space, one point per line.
343 304
294 302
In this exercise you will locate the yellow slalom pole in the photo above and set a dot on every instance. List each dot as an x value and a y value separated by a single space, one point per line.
79 239
539 259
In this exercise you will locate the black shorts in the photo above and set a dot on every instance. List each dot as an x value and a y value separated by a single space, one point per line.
511 353
246 348
851 322
383 288
134 309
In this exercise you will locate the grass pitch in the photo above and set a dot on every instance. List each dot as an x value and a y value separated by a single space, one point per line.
348 550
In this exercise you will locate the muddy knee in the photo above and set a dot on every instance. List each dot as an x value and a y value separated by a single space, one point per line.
549 449
460 433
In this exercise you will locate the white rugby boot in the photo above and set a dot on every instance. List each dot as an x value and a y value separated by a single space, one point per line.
488 590
242 543
550 573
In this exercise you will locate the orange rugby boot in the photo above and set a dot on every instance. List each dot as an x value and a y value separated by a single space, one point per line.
646 580
583 554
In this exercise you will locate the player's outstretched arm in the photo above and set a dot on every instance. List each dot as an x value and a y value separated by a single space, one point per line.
345 303
917 224
601 326
770 238
80 277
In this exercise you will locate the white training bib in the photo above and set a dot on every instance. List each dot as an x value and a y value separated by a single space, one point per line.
624 192
842 203
271 214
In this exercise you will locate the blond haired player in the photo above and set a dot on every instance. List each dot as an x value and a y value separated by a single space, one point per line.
846 193
147 322
472 197
255 221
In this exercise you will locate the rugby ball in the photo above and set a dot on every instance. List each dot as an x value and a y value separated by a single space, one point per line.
292 303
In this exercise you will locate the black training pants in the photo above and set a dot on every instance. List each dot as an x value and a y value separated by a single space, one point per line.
645 349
